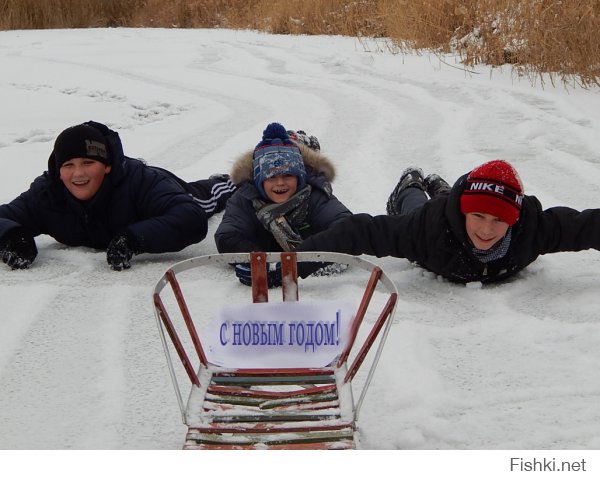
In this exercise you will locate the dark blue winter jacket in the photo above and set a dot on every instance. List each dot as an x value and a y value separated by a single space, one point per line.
148 203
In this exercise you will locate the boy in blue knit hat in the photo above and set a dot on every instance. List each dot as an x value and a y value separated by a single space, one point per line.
277 165
283 196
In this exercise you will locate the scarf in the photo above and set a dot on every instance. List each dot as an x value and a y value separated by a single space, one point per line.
496 252
284 219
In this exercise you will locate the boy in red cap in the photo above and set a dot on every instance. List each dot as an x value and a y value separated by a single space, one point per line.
483 229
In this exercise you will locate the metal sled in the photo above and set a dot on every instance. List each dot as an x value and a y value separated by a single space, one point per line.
296 407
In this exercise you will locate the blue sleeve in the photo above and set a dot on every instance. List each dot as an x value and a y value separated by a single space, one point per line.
169 218
26 210
240 230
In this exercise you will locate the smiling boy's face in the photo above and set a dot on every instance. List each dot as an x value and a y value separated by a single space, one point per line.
281 187
484 230
83 177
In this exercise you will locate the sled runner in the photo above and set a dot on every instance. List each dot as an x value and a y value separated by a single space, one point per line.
242 395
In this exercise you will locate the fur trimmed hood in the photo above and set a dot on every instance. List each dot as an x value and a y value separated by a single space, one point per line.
315 162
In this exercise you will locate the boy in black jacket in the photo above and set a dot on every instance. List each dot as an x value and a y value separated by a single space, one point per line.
482 229
93 195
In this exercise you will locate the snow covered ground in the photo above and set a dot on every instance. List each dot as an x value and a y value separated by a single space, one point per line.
508 367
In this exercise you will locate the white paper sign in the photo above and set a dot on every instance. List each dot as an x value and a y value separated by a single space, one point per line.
285 334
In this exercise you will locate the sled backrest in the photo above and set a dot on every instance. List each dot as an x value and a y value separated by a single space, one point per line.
289 275
260 294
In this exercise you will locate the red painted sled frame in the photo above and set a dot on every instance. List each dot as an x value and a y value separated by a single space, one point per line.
240 408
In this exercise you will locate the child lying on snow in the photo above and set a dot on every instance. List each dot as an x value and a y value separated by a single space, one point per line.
284 195
93 195
482 229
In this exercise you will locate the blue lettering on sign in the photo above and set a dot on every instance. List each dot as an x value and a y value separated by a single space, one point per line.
309 334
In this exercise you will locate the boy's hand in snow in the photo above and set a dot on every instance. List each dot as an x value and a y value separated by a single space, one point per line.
17 249
244 274
120 251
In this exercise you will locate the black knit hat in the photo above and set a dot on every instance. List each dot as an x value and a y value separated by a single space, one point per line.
80 141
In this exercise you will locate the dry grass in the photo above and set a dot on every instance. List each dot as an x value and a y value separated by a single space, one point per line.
37 14
560 38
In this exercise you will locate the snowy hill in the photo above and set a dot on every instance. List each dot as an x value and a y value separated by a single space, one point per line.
513 366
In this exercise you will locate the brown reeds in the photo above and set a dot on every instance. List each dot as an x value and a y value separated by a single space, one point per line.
558 38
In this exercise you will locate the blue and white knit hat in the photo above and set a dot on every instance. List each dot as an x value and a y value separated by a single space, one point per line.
277 155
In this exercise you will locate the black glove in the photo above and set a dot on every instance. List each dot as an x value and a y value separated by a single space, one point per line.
17 249
242 271
120 250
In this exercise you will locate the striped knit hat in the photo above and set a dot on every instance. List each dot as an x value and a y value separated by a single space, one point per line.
494 188
277 154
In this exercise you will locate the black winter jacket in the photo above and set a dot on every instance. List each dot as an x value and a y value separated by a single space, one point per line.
434 236
241 231
148 203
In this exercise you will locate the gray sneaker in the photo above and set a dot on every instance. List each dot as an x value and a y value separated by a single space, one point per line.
435 185
412 177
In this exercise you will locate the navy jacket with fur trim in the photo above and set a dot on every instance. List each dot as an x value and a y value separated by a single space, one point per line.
241 231
434 236
148 202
